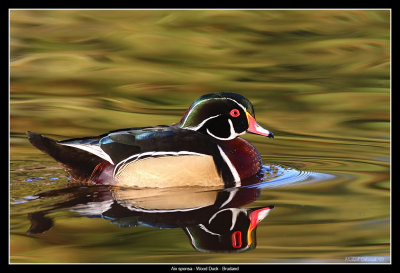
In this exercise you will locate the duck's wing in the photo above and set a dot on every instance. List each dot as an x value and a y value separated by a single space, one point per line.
147 156
88 144
118 143
155 141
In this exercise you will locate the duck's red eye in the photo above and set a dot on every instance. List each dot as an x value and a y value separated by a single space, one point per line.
234 113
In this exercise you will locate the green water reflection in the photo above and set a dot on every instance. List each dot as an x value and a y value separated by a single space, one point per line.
318 79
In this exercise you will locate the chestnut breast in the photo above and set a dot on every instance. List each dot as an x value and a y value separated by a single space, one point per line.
243 156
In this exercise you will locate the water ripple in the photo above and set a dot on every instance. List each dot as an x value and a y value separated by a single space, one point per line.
278 176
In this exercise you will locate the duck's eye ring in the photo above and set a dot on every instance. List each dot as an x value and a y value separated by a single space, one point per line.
234 113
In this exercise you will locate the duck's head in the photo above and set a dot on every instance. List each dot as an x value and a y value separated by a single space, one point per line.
222 115
228 230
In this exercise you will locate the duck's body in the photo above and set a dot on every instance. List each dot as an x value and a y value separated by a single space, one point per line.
203 149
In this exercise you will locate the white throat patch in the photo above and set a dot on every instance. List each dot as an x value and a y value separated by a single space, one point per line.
232 135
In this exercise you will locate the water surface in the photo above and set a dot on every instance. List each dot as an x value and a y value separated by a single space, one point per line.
320 80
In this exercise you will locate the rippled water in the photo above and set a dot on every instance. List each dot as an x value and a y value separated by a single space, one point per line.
320 80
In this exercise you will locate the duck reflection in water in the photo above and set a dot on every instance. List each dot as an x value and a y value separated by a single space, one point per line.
213 219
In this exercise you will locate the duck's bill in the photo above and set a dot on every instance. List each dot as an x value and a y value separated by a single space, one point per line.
255 128
256 215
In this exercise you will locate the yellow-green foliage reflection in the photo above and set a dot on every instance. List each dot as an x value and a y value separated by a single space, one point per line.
318 79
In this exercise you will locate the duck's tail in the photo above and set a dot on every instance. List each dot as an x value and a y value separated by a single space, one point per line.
79 164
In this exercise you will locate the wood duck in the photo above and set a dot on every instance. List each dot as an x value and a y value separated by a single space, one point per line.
203 149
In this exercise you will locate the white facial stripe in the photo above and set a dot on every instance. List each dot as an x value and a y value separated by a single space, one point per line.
231 167
232 135
201 124
235 213
188 114
220 138
208 231
244 108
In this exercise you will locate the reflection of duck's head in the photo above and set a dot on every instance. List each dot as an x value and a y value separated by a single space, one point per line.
228 230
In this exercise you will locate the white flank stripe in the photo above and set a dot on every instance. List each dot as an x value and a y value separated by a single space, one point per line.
231 167
93 149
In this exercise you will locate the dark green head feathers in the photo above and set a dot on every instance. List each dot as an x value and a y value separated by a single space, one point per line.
222 115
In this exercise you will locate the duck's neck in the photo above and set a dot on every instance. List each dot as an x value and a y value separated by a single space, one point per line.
243 156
